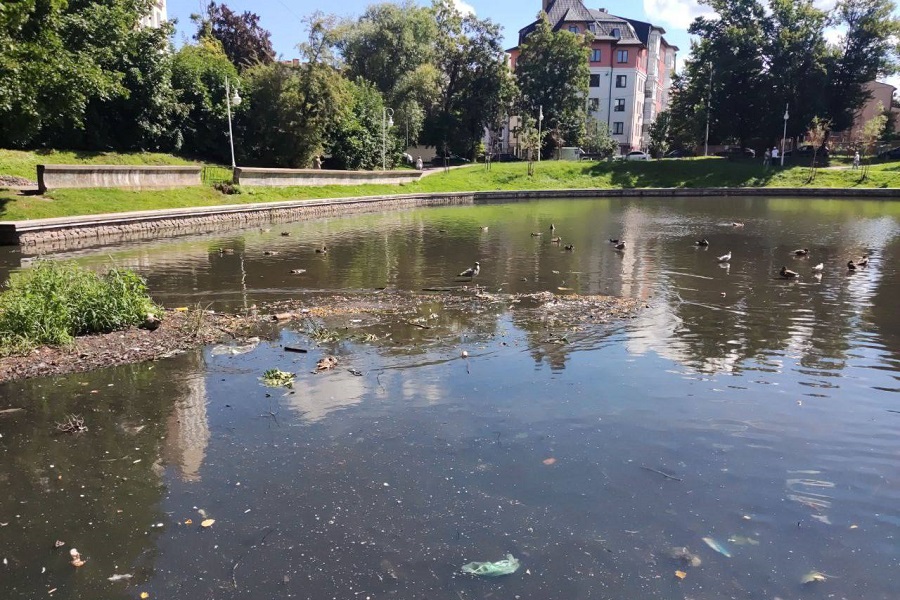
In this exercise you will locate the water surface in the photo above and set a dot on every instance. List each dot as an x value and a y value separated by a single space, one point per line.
770 404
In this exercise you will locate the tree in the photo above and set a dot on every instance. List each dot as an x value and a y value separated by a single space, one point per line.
867 50
474 83
597 139
356 141
245 42
869 135
817 135
687 109
198 76
553 74
659 134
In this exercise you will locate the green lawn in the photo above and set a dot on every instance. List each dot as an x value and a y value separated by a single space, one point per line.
690 173
23 163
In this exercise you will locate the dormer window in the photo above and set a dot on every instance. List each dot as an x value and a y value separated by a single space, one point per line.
616 33
573 28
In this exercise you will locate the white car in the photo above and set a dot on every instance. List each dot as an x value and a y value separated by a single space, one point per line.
637 155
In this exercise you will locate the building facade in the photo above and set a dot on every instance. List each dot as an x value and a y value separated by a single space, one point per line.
631 66
881 97
156 16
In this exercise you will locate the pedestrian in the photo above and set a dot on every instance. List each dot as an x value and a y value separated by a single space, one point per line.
317 163
774 154
767 158
419 164
856 160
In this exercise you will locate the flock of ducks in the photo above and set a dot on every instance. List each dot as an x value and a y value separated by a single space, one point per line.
786 273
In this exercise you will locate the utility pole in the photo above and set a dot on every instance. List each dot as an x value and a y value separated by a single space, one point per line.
540 122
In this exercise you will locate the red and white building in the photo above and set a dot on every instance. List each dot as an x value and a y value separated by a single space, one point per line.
631 70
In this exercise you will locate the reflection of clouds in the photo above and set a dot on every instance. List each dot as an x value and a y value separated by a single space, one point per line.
188 431
319 395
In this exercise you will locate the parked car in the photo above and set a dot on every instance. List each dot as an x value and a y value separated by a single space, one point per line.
637 155
679 153
737 153
892 154
807 150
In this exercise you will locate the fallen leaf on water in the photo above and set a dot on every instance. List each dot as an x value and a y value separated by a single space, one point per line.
189 522
207 523
329 362
854 526
58 544
549 461
680 574
145 595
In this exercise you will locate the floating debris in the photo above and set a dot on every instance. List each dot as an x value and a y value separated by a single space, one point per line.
119 577
507 566
76 558
743 540
680 574
236 350
685 556
73 424
813 577
324 364
58 544
717 547
277 378
549 461
207 523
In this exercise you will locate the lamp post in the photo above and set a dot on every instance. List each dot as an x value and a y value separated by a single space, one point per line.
784 135
229 100
540 121
387 121
708 110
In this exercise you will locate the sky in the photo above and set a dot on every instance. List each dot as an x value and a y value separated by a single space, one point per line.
283 18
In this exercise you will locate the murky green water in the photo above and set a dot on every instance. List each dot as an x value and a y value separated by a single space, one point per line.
774 407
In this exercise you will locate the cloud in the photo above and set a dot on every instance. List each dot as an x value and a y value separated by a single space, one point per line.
676 13
464 7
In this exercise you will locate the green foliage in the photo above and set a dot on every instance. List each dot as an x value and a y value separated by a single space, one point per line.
54 302
597 139
198 76
659 134
356 141
553 72
243 40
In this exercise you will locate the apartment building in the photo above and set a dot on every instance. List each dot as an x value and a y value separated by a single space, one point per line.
156 16
631 66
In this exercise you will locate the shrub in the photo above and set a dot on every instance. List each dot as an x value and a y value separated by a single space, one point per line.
56 301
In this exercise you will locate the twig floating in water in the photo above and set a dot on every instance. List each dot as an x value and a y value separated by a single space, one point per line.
294 349
419 325
666 475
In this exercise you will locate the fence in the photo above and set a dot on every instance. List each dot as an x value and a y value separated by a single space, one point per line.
211 175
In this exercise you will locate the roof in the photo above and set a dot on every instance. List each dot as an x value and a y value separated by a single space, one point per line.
601 23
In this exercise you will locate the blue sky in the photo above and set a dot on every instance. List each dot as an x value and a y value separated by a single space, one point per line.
283 17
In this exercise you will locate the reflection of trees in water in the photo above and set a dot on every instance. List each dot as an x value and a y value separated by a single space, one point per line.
886 298
98 491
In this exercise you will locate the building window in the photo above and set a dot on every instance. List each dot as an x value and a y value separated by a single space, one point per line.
620 105
595 81
618 128
573 28
622 56
640 85
593 104
595 55
616 33
621 81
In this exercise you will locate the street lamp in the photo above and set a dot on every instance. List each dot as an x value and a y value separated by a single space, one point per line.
387 121
708 110
540 122
784 136
229 100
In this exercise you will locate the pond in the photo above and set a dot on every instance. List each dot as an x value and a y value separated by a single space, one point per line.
747 419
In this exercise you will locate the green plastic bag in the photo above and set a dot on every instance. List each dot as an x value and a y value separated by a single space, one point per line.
508 566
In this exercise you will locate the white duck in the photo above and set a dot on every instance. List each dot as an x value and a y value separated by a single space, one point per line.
725 257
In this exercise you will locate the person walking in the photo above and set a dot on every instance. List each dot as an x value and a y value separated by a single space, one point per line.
767 159
856 160
775 154
419 164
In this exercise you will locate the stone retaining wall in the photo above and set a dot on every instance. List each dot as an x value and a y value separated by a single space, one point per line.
253 177
72 232
117 176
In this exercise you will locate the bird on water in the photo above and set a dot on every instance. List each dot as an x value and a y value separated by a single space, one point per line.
725 257
472 271
788 274
703 242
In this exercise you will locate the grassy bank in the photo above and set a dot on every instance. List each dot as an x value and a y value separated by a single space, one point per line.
23 163
693 173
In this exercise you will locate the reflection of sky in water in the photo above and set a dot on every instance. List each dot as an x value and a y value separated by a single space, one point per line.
770 404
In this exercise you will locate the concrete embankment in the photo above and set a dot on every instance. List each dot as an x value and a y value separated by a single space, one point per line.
95 230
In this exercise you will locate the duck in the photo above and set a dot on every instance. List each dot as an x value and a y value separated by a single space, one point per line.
555 240
484 228
737 224
536 233
819 268
802 252
285 233
570 247
851 266
725 257
788 274
863 262
552 227
620 245
322 250
703 242
613 241
472 271
298 271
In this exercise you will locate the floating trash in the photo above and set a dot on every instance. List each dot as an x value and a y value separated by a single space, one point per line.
743 540
717 547
813 577
277 378
508 566
686 556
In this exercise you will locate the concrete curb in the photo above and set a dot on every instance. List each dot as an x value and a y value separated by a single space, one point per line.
93 230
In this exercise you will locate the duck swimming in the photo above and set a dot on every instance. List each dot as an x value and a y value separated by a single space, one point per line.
802 252
620 245
851 266
725 257
788 274
322 250
819 268
472 271
703 242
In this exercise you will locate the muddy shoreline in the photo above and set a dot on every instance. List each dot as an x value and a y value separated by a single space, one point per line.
323 318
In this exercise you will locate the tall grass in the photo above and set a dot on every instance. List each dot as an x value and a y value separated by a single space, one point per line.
56 301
